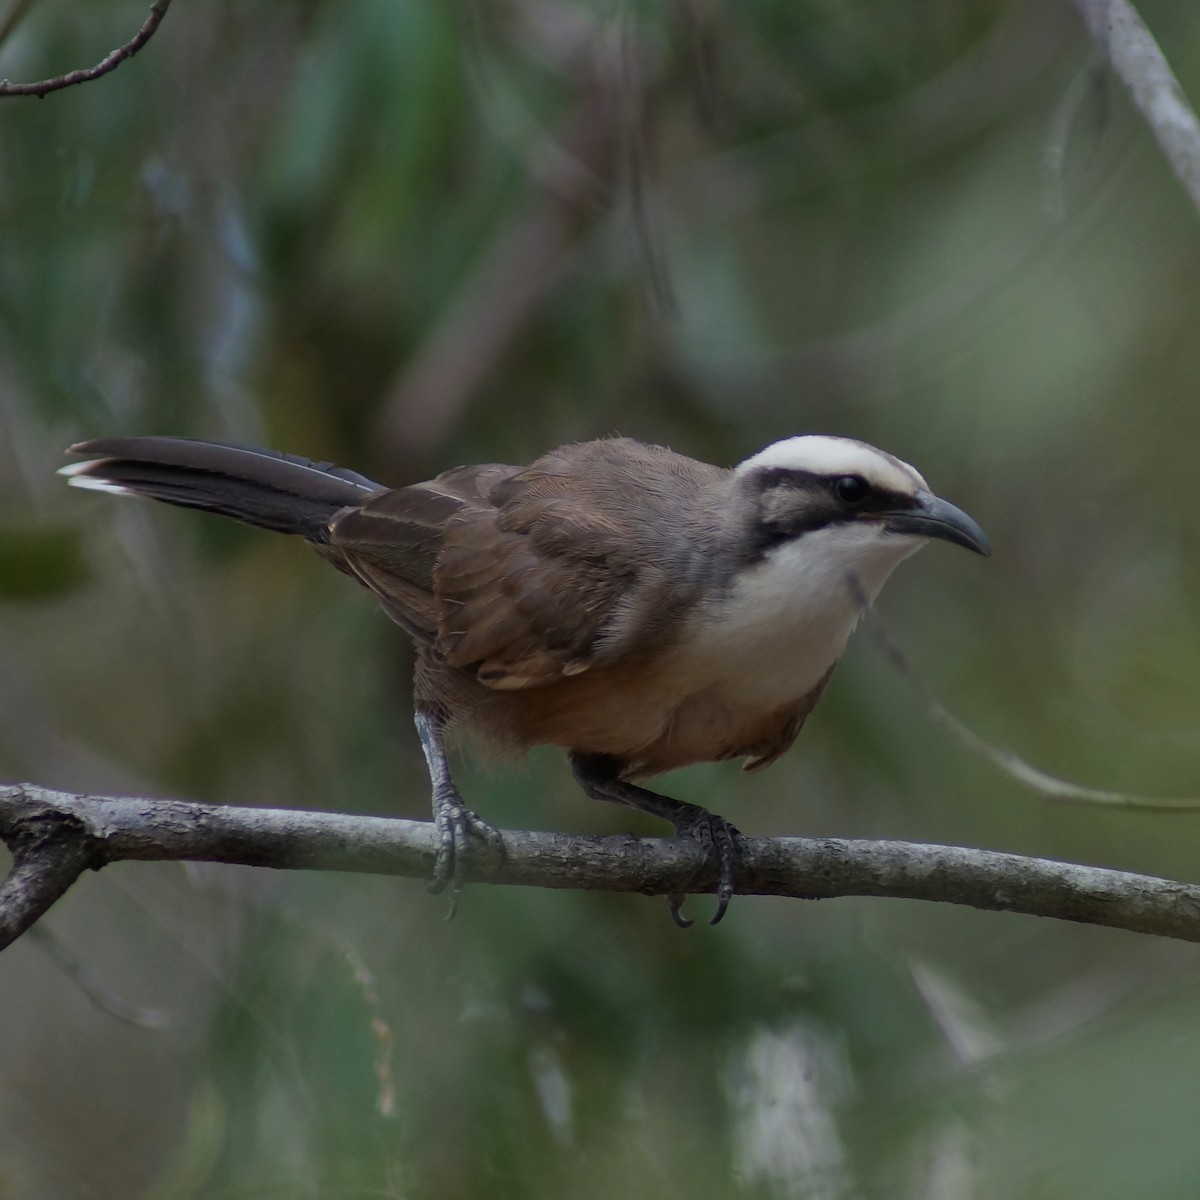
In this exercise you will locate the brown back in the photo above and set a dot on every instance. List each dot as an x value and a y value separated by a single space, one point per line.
524 576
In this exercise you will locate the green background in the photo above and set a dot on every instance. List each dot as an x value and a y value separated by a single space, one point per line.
406 234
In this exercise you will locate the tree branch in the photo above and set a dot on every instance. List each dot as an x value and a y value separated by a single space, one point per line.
54 836
50 849
110 62
1138 60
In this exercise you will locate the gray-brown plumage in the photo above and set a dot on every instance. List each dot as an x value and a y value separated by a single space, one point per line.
637 607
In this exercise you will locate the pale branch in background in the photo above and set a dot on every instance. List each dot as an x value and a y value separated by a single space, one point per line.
577 174
77 971
12 18
110 62
1139 61
513 276
1024 772
56 836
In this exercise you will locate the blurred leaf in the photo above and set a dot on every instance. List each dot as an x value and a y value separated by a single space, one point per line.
40 564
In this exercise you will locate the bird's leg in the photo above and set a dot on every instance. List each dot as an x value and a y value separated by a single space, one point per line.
456 824
599 776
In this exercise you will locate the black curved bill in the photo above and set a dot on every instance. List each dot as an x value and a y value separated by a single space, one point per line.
933 517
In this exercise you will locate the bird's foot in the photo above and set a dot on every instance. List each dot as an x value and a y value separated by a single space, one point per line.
600 776
457 828
723 843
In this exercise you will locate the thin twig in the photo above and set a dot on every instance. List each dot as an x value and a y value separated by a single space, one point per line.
1139 61
125 828
1012 764
110 62
1028 774
81 976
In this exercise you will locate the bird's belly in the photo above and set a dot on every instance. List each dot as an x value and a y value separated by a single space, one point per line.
663 713
732 682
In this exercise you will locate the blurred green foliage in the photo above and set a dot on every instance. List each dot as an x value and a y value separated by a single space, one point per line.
40 563
404 234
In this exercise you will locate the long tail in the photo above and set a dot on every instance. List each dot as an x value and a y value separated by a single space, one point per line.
274 491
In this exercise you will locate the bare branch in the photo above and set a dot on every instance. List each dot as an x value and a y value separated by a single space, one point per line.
1138 60
110 62
79 831
50 850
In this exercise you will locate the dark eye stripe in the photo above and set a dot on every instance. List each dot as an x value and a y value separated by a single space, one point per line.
793 477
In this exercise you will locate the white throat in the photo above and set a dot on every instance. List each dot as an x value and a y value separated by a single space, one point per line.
784 622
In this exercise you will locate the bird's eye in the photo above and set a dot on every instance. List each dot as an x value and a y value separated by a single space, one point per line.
850 489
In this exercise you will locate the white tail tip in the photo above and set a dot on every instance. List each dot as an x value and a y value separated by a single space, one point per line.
76 478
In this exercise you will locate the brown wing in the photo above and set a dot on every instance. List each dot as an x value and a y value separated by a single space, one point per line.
527 592
567 571
522 577
392 542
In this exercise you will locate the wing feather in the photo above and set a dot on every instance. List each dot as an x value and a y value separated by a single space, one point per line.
524 576
393 541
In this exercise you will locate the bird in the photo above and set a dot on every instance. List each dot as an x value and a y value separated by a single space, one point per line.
641 609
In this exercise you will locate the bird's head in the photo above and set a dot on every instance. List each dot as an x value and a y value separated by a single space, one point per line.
846 504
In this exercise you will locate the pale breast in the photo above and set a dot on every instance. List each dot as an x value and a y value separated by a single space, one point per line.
775 632
733 678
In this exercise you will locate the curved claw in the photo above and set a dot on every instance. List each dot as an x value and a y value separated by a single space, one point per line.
443 864
721 840
600 775
457 827
728 844
677 903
